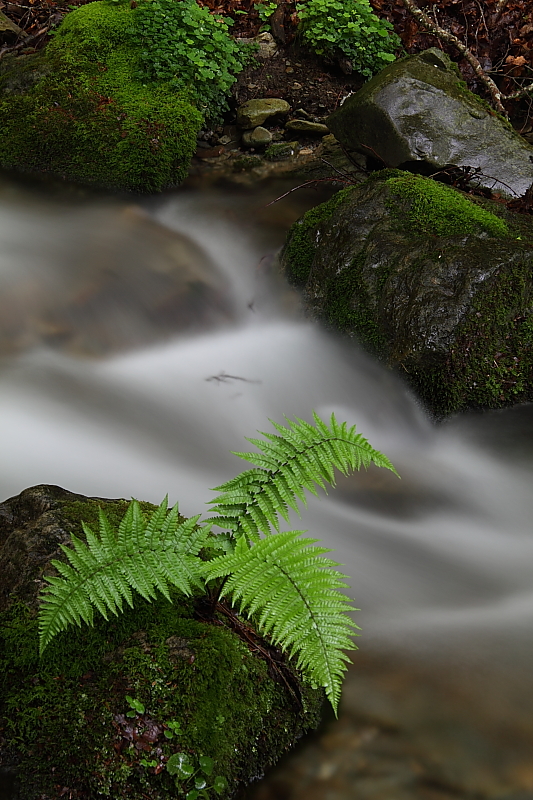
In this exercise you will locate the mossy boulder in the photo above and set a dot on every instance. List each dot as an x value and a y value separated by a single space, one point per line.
418 110
201 698
79 110
436 283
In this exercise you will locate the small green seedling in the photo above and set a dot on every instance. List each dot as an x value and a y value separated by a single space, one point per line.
173 728
185 768
135 705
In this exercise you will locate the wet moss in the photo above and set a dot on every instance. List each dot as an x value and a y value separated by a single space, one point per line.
78 511
89 118
299 250
65 715
389 269
440 210
350 307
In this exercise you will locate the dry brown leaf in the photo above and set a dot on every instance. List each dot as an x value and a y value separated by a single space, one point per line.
516 61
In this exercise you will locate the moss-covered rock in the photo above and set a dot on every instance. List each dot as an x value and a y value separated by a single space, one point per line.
419 110
78 109
106 708
435 283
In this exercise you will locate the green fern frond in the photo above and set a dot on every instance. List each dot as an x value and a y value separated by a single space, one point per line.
294 592
143 556
301 457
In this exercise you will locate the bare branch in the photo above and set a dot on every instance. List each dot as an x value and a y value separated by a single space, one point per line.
446 36
24 43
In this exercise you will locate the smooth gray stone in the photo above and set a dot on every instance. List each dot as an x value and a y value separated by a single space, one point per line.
255 112
419 109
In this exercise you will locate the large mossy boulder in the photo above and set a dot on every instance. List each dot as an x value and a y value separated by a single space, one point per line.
437 284
419 110
196 687
79 109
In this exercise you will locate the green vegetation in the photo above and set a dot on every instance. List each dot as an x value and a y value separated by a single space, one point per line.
265 10
189 49
289 590
344 315
120 93
439 210
348 28
422 229
197 689
299 250
89 119
491 363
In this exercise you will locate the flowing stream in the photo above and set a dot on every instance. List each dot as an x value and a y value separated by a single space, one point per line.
440 562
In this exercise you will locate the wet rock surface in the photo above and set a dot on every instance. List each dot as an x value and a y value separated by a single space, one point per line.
255 112
446 300
417 110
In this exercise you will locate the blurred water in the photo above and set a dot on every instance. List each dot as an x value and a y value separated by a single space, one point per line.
442 556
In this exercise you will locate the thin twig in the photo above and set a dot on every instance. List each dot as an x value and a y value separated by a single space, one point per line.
334 168
24 43
441 33
308 183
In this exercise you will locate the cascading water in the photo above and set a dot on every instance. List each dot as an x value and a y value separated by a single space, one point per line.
441 558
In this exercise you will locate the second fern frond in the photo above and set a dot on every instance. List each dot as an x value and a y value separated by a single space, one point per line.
293 591
300 457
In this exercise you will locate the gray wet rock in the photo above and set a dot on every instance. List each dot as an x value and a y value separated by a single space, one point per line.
259 137
117 279
418 110
306 127
436 285
255 112
80 694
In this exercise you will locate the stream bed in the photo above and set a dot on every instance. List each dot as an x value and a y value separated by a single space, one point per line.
142 339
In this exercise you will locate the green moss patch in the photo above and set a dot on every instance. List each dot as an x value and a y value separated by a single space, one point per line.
89 118
435 284
201 690
491 362
438 210
345 314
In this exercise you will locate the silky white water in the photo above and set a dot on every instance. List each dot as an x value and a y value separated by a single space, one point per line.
442 556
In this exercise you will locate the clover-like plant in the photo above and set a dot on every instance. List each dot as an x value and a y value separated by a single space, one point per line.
348 28
281 580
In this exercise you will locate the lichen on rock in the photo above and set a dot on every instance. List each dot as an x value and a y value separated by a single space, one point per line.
195 687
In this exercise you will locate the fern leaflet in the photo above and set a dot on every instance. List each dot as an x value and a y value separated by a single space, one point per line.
301 457
293 591
141 555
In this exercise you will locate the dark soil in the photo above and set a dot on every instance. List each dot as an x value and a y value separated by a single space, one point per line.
299 78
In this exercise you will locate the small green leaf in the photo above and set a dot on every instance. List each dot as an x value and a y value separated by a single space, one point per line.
220 784
206 765
180 764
